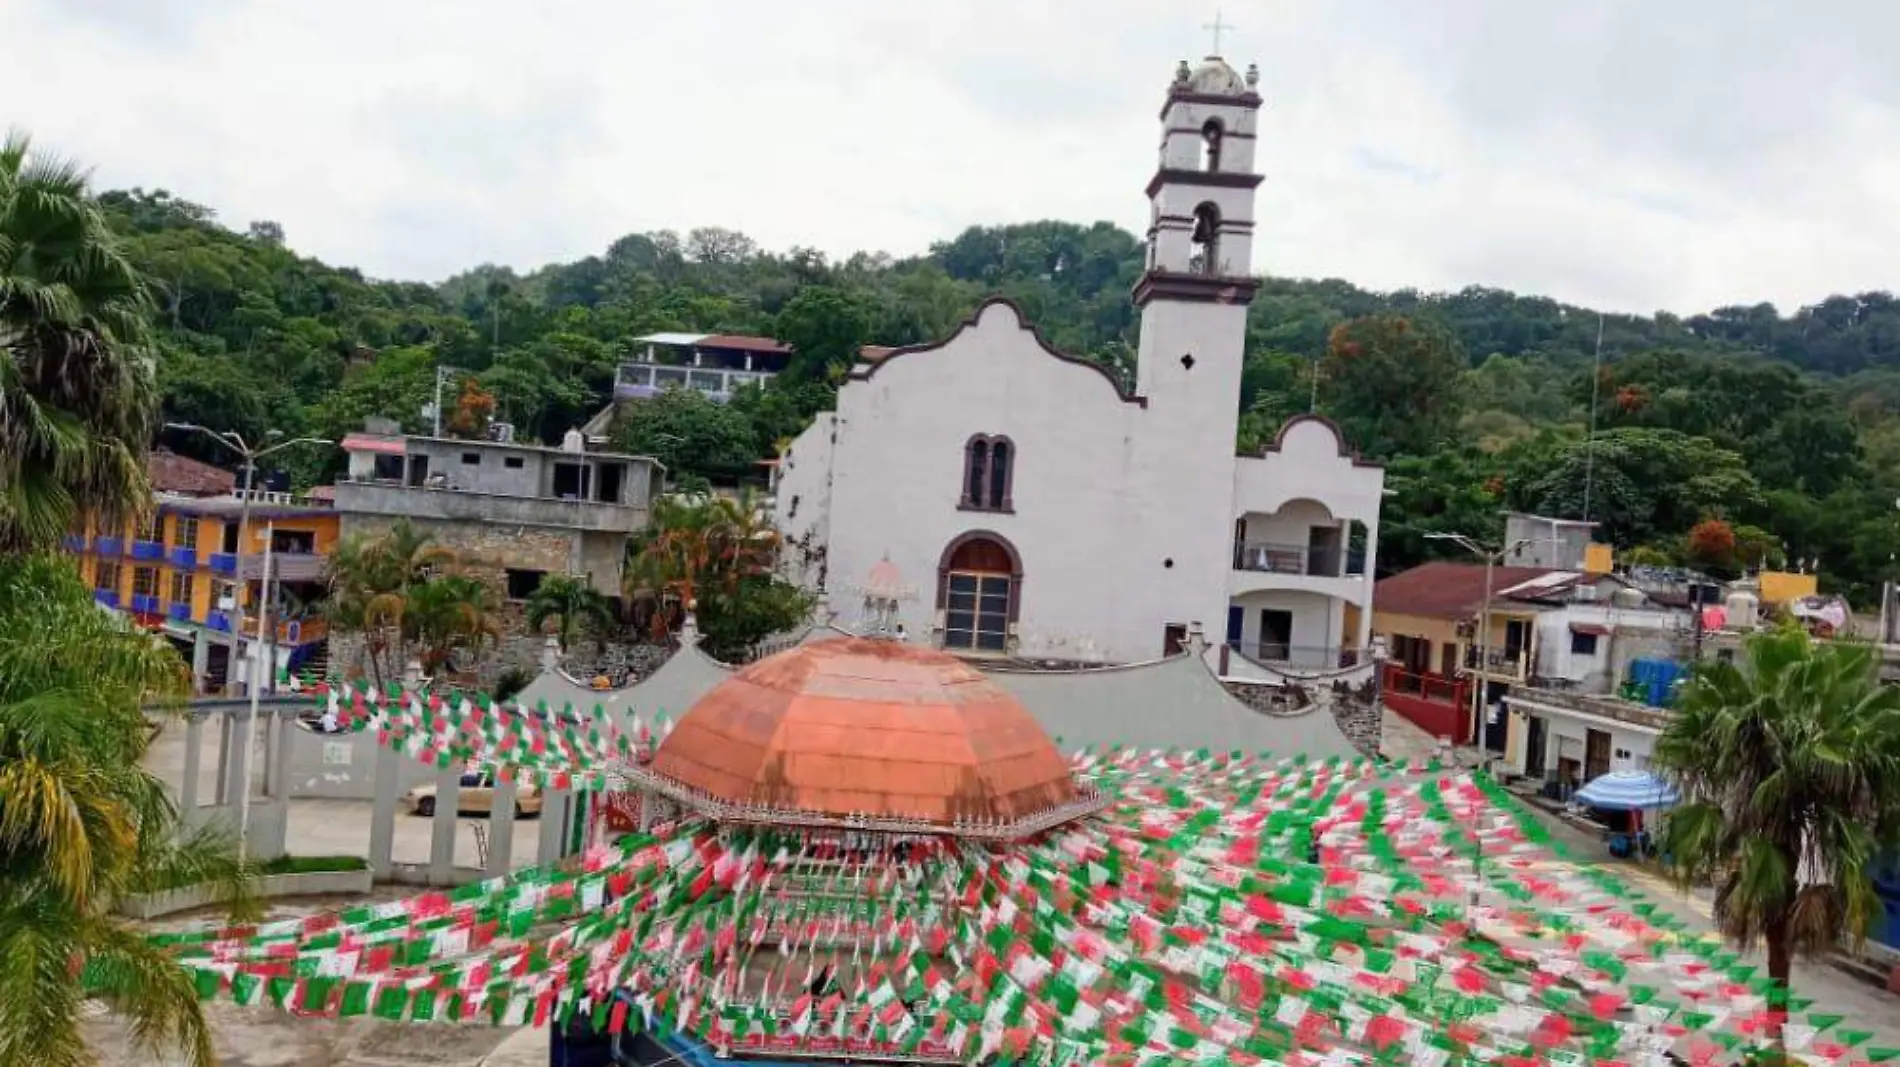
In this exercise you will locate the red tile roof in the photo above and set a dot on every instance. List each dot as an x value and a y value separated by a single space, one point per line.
172 473
743 343
1446 590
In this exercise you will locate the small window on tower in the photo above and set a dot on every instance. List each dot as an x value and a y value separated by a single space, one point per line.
1206 257
1210 145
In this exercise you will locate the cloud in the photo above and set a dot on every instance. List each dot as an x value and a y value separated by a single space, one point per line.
1626 155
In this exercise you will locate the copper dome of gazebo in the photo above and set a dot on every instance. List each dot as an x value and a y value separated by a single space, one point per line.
872 734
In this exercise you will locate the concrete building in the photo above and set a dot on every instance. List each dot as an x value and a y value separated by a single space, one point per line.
716 364
1562 646
1035 508
1560 544
526 510
177 573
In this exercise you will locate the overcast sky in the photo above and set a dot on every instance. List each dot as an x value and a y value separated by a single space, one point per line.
1673 154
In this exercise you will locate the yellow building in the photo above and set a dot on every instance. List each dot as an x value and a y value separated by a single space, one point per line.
177 572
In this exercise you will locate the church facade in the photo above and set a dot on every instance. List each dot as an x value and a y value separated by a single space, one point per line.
1034 508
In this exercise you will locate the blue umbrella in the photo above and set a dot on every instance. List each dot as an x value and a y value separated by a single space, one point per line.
1627 791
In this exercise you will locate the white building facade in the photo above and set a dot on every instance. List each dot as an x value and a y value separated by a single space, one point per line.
1036 509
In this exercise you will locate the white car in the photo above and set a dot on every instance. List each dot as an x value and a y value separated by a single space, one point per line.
476 797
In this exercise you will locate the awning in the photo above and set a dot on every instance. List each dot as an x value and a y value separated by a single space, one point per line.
363 442
1595 629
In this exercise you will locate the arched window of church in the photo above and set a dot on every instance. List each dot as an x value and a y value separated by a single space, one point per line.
976 470
988 466
1210 145
1206 256
978 591
1000 456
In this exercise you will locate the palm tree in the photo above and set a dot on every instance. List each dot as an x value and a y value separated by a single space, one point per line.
447 613
697 541
83 824
77 400
571 600
370 582
1789 767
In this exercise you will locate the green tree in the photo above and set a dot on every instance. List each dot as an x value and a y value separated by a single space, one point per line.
696 437
714 556
572 604
1789 767
1643 485
371 580
825 327
77 400
82 824
446 614
1393 384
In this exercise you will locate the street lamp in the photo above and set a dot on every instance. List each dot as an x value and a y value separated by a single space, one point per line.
235 442
1491 560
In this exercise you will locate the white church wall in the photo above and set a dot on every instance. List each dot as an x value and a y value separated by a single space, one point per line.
1314 637
801 501
898 478
1309 461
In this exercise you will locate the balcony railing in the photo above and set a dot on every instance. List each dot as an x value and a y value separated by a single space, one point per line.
109 546
651 379
1436 704
1513 663
108 597
179 612
147 551
1270 558
1280 654
73 542
219 621
144 604
223 563
183 558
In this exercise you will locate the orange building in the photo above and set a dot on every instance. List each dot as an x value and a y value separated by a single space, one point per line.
177 573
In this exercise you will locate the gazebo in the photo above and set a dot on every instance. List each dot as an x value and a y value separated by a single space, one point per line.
862 851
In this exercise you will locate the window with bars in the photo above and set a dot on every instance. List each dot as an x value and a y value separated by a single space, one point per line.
145 581
105 577
988 470
186 528
976 612
181 588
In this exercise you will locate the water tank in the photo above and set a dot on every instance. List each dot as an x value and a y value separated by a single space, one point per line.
1742 609
1627 597
572 441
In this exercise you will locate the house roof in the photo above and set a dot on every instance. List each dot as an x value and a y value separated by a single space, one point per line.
1448 590
172 473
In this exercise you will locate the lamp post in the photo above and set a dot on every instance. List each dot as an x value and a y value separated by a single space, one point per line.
1484 625
233 441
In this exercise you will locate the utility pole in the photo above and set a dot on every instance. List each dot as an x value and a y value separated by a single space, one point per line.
442 374
255 683
1478 685
235 442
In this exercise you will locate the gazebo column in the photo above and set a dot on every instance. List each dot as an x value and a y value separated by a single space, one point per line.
554 805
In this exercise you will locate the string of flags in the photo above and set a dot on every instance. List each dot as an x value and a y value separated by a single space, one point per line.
556 749
1223 910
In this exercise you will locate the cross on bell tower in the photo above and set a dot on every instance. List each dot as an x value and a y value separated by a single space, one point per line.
1217 26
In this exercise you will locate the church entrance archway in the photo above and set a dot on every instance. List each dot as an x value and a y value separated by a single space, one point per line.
979 592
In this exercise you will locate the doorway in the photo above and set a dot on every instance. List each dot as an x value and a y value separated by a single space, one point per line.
1534 745
1322 551
1173 639
1596 755
1236 622
1276 635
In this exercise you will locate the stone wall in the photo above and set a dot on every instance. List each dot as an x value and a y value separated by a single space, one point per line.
522 652
1355 710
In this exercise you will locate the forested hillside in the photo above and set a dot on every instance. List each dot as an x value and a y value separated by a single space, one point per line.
1726 438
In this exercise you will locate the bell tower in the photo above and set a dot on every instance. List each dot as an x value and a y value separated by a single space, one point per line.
1199 280
1193 297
